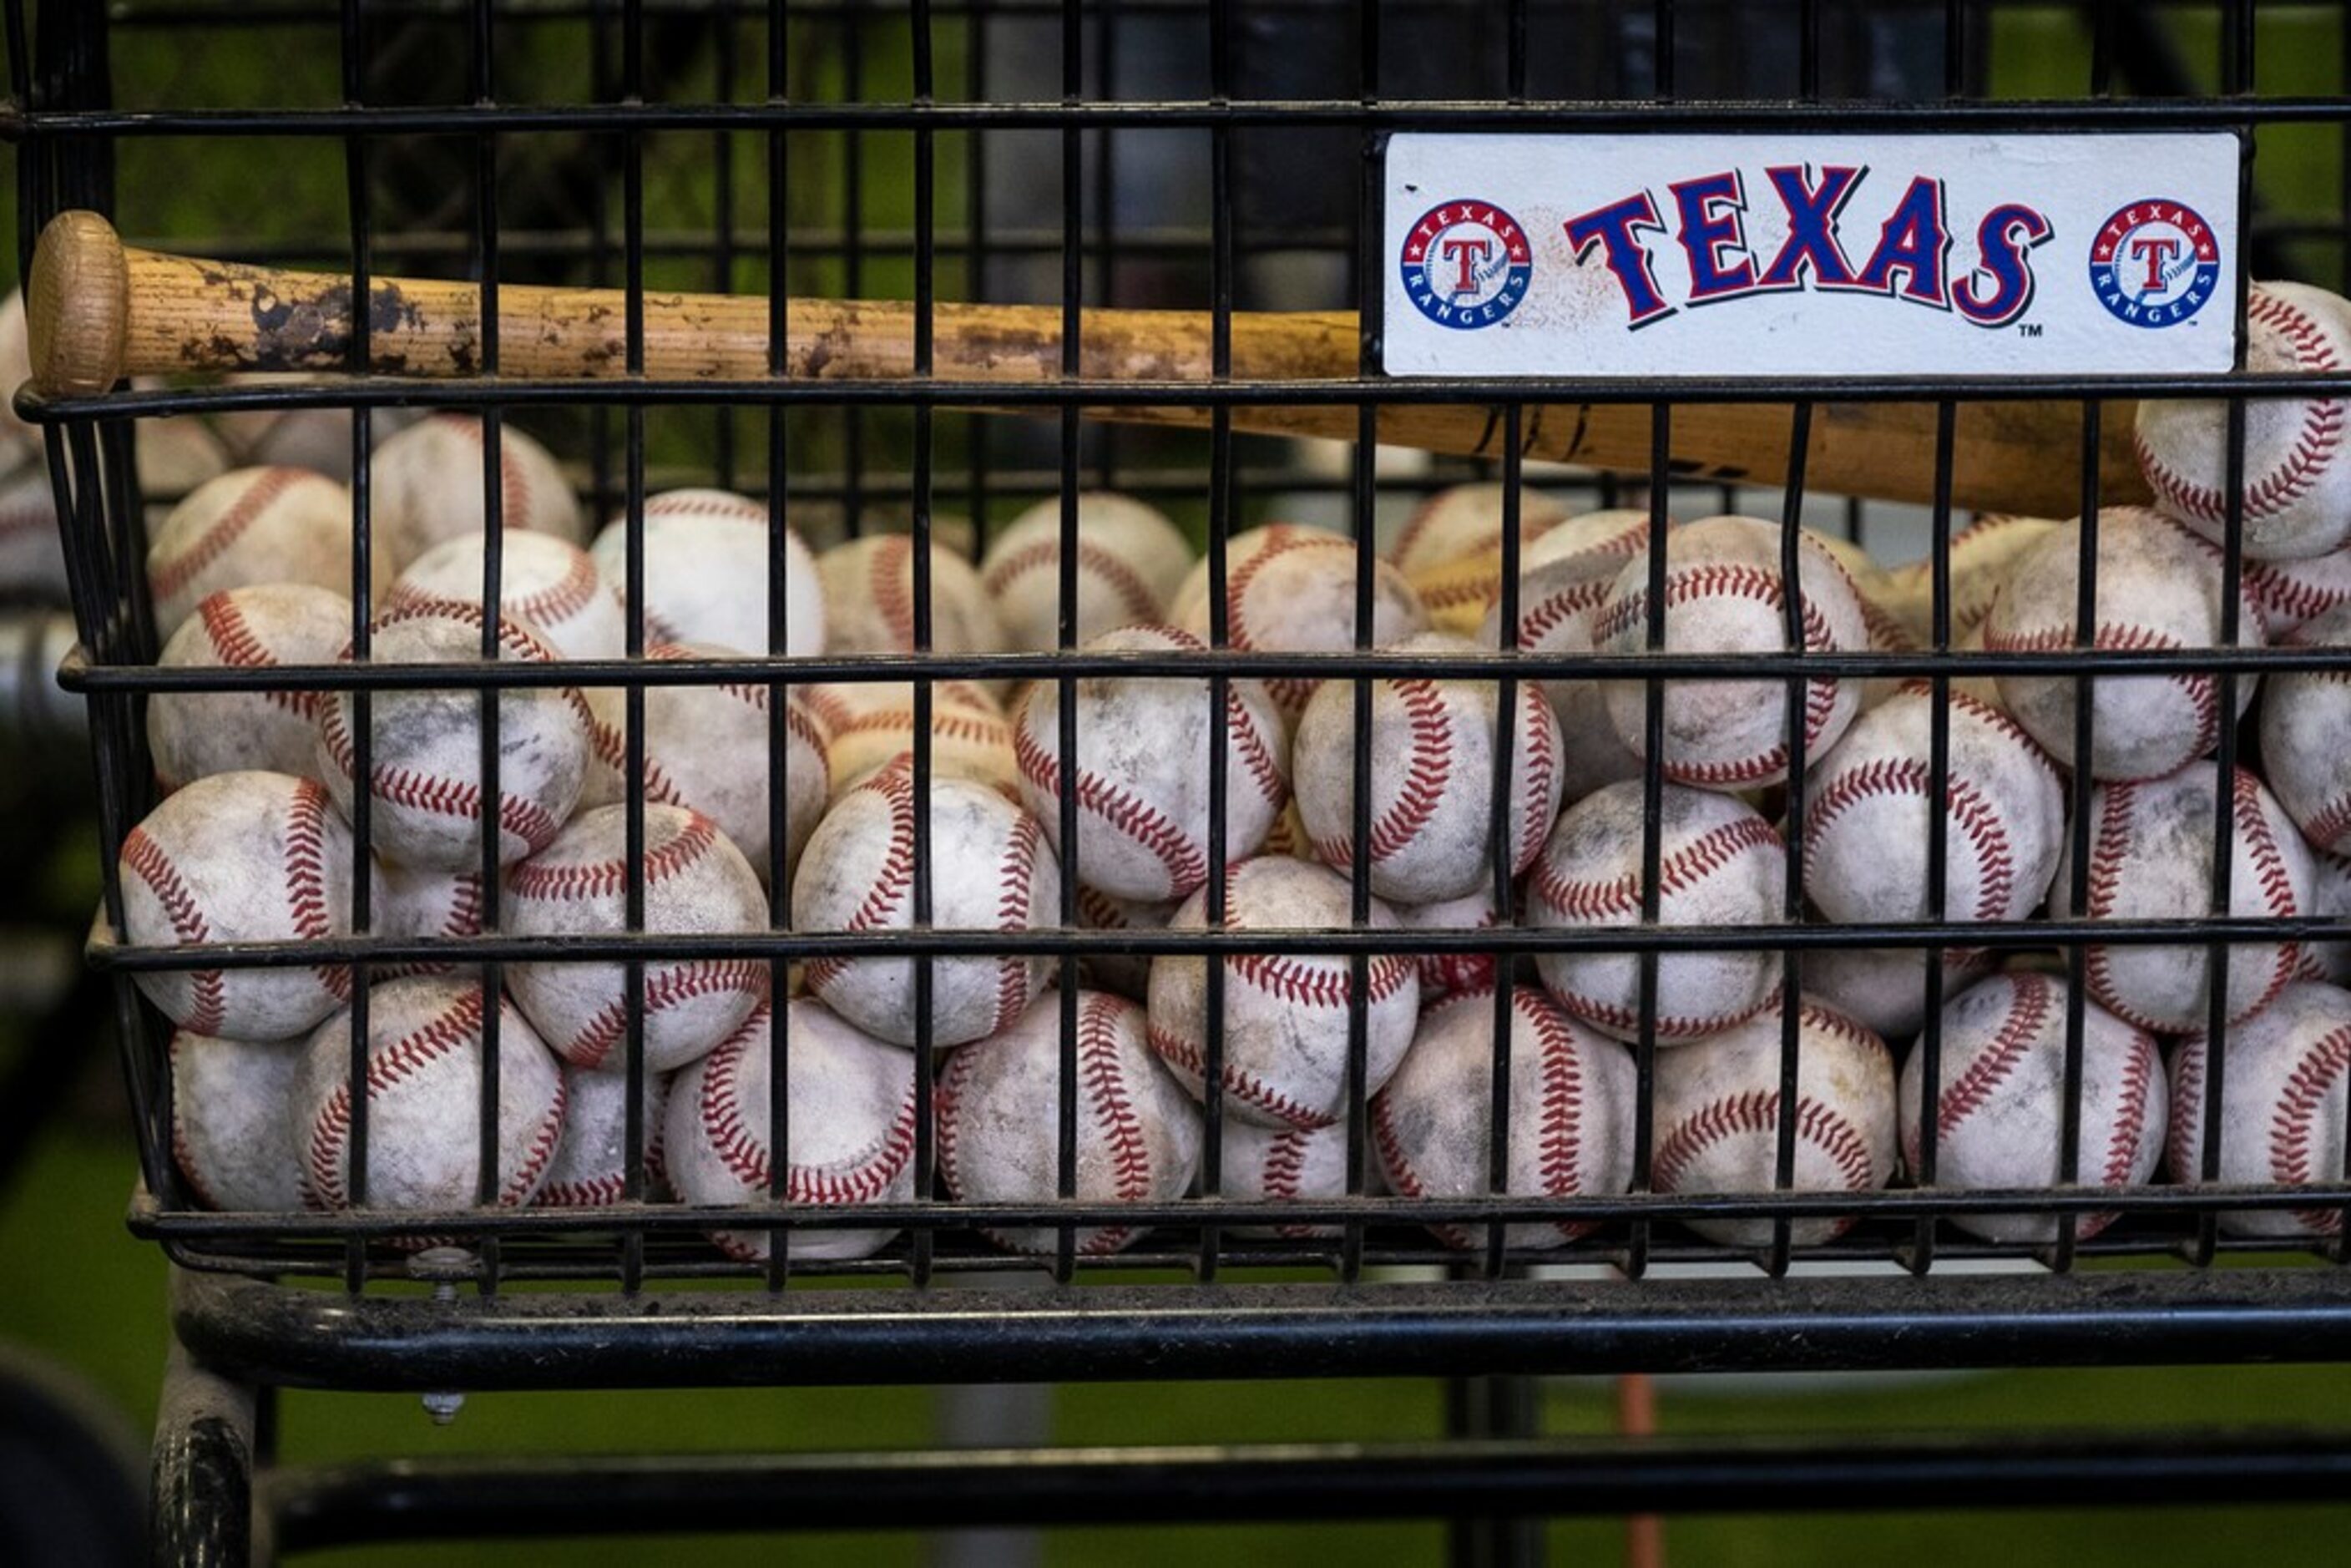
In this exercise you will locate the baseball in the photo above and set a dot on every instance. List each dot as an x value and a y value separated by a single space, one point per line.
2331 900
1466 521
1285 1023
546 583
707 572
867 724
2151 859
249 525
1563 578
2305 718
2159 587
1720 864
2282 1108
1718 1120
241 857
1884 988
869 600
710 748
1292 590
1982 554
229 1132
591 1167
1571 1113
696 884
193 734
1445 972
1282 1165
1105 968
426 903
1432 744
1142 772
851 1134
2296 488
1724 595
2000 1102
429 487
1868 805
1130 559
425 758
423 1102
2290 592
990 869
1138 1132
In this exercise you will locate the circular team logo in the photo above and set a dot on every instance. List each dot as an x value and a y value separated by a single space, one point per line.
2154 263
1465 263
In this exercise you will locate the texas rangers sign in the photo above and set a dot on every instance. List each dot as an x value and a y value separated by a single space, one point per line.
1730 256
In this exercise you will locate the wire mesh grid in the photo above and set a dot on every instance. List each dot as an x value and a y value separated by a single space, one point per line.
1086 154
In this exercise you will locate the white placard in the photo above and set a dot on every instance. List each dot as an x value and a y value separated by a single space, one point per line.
1668 256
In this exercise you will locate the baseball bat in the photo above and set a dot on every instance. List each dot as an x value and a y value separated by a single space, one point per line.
99 310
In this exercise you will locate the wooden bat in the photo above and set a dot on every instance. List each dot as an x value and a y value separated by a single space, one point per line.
99 310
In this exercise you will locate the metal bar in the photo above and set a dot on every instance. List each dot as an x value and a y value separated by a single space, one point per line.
199 1503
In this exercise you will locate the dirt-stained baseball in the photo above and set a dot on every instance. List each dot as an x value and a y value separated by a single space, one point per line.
192 734
230 1135
1886 987
1285 1165
707 573
2306 719
590 1167
2281 1107
870 600
1130 558
546 583
429 485
249 525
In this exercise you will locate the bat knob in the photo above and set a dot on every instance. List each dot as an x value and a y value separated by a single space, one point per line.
78 306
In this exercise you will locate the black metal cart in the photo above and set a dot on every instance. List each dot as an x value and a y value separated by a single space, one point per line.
1098 152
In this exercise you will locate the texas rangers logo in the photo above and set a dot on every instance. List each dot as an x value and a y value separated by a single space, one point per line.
1466 263
2154 263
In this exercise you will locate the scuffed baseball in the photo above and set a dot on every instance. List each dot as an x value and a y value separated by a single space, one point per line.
869 600
998 1099
425 780
1142 770
591 1167
2151 859
241 857
2282 1108
707 573
1285 1014
230 1134
429 487
1464 520
425 1056
696 884
2305 722
2000 1102
1284 1165
1293 591
411 902
2159 587
1431 744
1720 863
1189 606
867 724
1570 1122
2296 485
850 1098
192 734
249 525
547 583
1869 802
1717 1119
1884 988
2292 592
990 869
1130 558
1724 594
1563 579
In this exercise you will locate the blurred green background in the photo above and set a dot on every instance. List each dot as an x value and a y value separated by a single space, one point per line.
79 1289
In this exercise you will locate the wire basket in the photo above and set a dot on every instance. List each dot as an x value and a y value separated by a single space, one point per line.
1092 158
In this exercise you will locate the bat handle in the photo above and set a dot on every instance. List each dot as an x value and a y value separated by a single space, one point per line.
78 306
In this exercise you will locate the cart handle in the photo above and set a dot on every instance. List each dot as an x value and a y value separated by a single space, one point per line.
99 310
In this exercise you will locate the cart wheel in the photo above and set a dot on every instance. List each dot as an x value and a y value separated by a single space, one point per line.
73 1482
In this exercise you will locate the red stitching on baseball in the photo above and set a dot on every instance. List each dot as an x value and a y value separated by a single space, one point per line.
2315 442
1427 769
171 578
1289 692
306 886
1136 600
514 485
1402 1177
1906 777
891 879
1681 871
889 578
235 643
1551 612
608 878
2269 869
2186 1132
2313 1079
1561 1124
2139 1068
1542 733
1097 1068
676 504
1283 1174
1668 1026
2116 637
520 1185
145 859
452 1029
664 989
1184 861
2019 1031
862 1177
564 598
2287 598
2108 849
1318 982
1016 879
1240 1084
1758 1112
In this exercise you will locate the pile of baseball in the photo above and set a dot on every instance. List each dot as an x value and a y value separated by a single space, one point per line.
807 820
